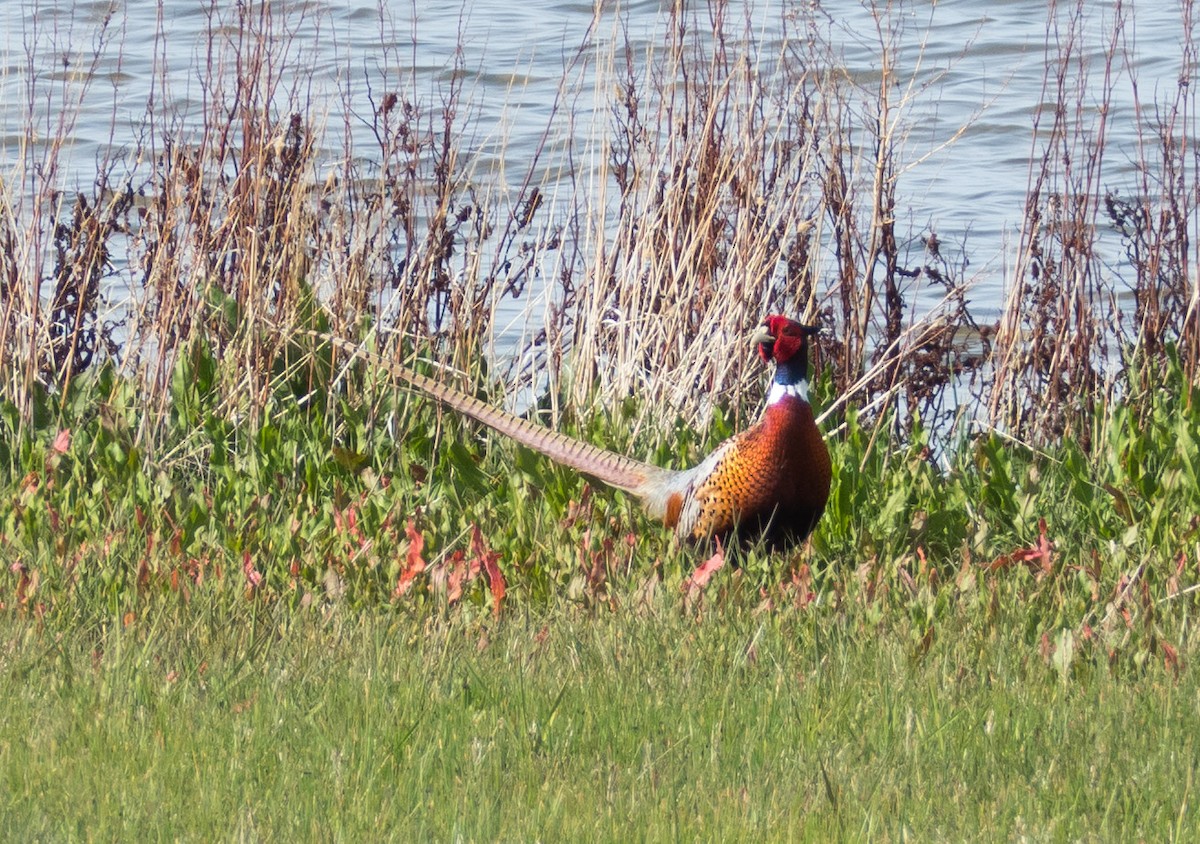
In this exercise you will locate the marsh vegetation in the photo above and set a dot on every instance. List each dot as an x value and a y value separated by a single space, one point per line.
210 517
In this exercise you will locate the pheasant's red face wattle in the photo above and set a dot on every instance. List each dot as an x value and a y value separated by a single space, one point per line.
780 339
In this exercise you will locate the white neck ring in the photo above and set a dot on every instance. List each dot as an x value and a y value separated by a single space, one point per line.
778 391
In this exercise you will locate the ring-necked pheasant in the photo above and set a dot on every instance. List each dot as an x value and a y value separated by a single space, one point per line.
771 480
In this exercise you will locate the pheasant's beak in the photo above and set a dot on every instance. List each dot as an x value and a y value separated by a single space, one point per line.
764 341
761 335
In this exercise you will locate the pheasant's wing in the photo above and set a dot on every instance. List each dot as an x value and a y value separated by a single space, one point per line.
724 488
691 501
613 469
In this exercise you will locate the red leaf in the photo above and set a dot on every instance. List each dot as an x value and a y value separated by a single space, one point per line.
1170 657
490 560
596 573
1043 548
414 563
1046 648
456 574
23 581
704 572
802 583
253 576
1001 562
346 521
62 441
1036 558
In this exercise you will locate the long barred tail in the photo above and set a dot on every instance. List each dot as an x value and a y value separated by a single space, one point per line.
613 469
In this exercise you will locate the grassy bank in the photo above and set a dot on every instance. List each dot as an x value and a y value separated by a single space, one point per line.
243 722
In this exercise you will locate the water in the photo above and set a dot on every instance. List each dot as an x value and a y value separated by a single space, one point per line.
983 64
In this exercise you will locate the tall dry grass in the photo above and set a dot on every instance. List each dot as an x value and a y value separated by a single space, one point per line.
720 177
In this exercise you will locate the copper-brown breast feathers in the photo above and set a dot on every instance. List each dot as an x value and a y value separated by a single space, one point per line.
776 472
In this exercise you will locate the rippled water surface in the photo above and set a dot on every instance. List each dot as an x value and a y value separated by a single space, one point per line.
985 63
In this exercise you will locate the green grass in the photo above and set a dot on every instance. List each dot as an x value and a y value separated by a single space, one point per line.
229 722
201 635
